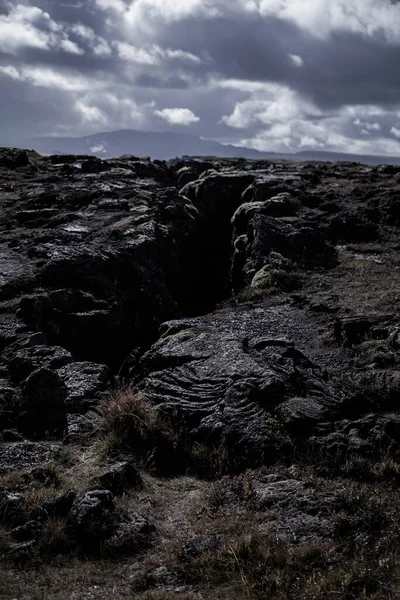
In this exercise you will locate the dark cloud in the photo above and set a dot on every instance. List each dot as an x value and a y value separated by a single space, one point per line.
279 75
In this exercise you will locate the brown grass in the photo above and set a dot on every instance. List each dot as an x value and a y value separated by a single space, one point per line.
127 420
360 560
55 538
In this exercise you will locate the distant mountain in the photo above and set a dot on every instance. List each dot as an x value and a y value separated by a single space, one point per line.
169 144
160 145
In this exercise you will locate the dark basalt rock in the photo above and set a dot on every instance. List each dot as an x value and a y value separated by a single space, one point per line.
257 234
221 380
25 455
86 384
42 409
11 506
27 360
8 395
129 534
59 507
89 516
166 579
28 531
235 322
98 254
11 158
299 516
118 478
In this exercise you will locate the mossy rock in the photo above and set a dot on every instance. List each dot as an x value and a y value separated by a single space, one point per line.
277 274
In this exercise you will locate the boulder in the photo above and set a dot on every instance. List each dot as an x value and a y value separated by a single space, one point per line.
27 360
89 516
28 531
11 158
59 507
130 534
302 243
118 478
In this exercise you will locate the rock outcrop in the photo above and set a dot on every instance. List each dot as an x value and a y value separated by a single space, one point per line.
96 255
226 320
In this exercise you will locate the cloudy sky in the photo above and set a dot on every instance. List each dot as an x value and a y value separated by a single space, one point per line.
280 75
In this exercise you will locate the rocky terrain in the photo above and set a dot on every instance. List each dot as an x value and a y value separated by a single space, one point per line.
199 379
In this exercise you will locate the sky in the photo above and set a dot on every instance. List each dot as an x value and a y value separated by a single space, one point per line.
275 75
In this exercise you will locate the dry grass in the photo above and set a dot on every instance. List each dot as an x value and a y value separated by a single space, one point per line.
127 420
55 538
367 285
360 560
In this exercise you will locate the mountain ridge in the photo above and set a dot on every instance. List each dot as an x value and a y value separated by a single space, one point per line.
164 145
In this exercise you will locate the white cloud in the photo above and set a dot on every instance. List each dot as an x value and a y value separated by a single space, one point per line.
321 18
99 45
100 148
91 114
241 85
18 29
85 32
307 141
296 60
270 103
138 12
365 110
328 132
286 121
102 48
177 116
181 55
118 6
30 27
160 52
366 126
396 132
112 111
152 54
10 72
47 78
71 47
137 55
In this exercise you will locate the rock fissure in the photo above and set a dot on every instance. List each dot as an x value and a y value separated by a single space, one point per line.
250 311
122 264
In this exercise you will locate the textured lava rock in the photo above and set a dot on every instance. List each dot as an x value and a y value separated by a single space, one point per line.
86 383
222 379
96 254
25 455
29 359
89 517
129 534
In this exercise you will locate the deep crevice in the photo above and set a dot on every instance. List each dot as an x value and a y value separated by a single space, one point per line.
205 258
